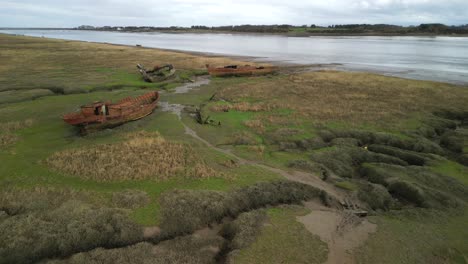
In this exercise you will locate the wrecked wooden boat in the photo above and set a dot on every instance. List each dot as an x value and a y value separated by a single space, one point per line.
236 70
100 115
157 74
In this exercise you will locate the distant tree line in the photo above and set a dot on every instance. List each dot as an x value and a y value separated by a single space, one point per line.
252 28
393 29
303 29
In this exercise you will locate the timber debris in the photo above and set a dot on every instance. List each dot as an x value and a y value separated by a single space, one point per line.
353 208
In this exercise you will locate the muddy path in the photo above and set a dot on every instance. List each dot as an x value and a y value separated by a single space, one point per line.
339 228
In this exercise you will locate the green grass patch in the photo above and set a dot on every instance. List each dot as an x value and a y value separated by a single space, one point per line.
22 164
452 169
284 240
346 185
417 236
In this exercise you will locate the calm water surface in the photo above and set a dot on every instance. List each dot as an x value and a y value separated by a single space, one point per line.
427 58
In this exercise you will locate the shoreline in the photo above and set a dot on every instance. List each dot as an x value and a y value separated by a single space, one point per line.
285 34
289 34
318 66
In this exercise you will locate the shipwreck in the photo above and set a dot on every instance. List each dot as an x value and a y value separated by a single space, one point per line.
100 115
158 73
236 70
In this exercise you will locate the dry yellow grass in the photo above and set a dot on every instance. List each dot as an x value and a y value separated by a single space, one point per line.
352 97
259 149
7 139
256 125
143 155
7 129
244 107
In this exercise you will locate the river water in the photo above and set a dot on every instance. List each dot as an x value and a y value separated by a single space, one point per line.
427 58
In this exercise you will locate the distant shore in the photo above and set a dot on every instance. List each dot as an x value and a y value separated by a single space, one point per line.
286 34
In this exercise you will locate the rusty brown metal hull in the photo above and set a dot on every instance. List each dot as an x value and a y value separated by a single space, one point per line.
90 118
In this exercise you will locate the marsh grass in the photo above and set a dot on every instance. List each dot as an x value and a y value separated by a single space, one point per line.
417 236
15 201
187 249
184 211
244 107
256 125
358 98
130 199
143 155
42 67
23 95
15 125
283 240
243 231
8 129
58 226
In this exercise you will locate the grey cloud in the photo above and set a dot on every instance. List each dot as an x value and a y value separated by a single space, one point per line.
55 13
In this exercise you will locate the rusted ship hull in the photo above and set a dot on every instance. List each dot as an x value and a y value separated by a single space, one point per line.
235 70
101 115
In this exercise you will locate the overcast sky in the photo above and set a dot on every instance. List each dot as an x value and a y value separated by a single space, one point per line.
71 13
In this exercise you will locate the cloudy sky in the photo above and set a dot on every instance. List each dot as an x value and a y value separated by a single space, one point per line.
71 13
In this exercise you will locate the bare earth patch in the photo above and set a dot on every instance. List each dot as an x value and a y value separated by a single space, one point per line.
343 232
142 156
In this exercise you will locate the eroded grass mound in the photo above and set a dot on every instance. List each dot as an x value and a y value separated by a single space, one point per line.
184 211
143 155
49 222
130 199
243 231
187 249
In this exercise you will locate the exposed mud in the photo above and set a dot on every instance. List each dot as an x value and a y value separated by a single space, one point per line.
199 81
341 230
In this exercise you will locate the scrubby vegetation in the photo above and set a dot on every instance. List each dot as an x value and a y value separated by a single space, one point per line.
185 211
376 196
72 227
187 249
243 231
142 156
130 199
